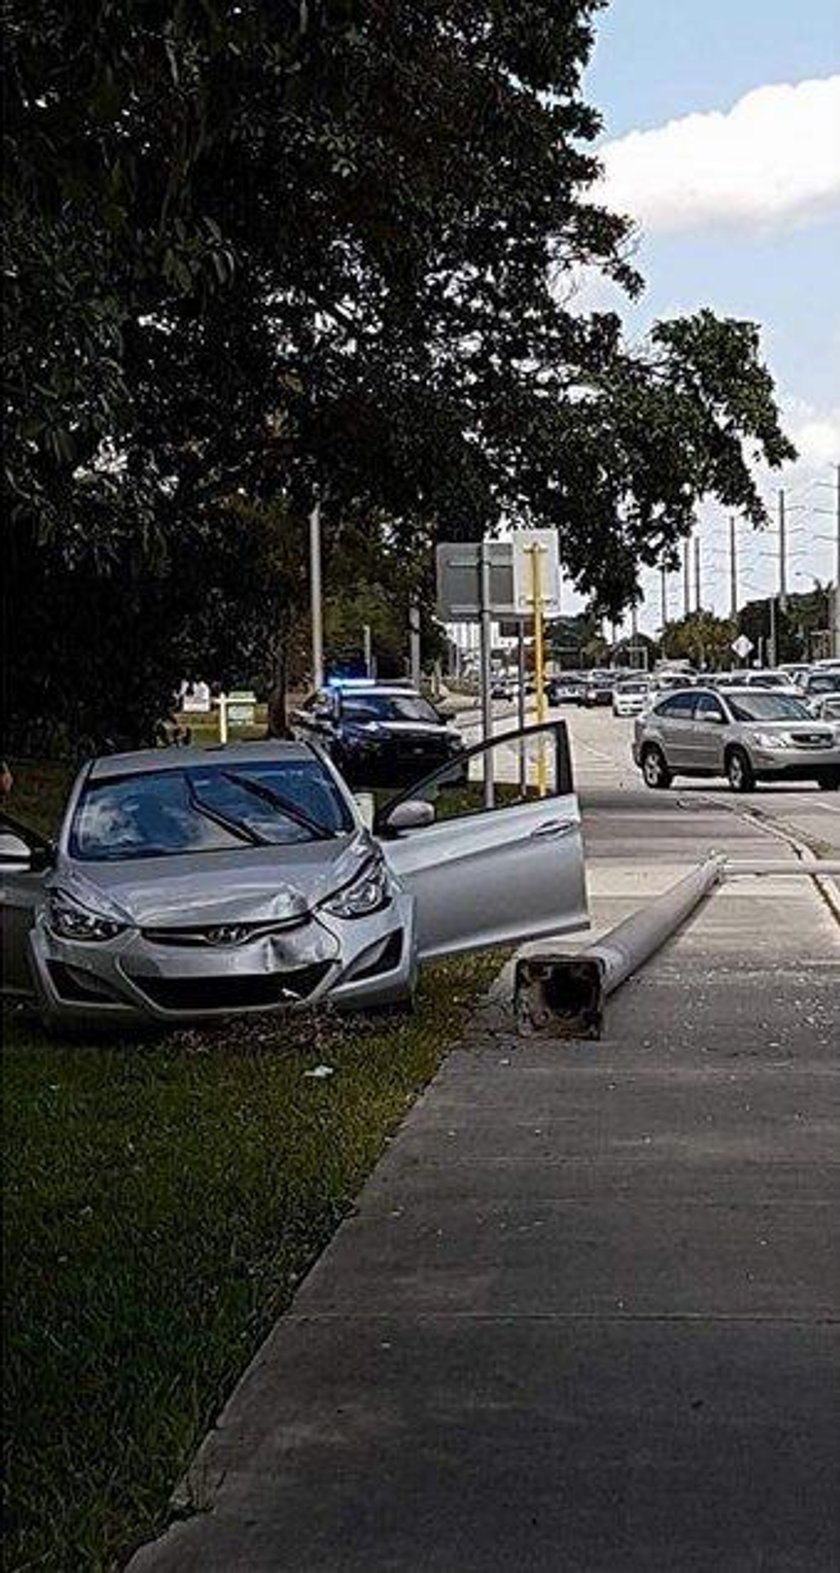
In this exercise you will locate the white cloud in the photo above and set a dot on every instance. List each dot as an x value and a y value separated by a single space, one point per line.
772 159
816 435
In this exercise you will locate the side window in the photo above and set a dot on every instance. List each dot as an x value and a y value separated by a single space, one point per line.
679 708
709 705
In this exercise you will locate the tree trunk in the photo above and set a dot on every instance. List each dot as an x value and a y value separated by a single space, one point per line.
278 721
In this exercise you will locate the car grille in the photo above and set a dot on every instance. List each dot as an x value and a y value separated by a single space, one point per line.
811 739
222 935
234 993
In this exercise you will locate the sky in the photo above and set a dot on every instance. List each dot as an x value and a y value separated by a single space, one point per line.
722 140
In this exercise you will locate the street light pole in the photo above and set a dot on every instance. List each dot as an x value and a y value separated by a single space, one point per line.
697 589
687 577
733 570
663 585
315 591
414 642
782 554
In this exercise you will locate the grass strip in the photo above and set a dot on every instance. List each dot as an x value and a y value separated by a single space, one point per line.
163 1199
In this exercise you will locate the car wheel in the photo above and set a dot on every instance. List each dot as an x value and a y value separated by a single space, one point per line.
829 781
739 771
655 770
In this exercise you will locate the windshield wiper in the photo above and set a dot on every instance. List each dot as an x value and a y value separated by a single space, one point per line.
276 800
235 827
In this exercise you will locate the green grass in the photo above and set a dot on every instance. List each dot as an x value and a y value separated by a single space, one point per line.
163 1198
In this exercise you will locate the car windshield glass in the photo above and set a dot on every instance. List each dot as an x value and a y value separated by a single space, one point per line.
825 683
388 707
764 706
208 808
632 688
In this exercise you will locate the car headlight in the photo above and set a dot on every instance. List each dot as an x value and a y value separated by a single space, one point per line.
70 920
369 891
771 740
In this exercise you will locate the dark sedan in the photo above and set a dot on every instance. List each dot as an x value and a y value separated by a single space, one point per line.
377 734
598 690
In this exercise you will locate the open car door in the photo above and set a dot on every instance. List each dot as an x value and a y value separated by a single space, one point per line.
490 845
24 858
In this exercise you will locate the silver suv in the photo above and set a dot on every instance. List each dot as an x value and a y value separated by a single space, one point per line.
747 735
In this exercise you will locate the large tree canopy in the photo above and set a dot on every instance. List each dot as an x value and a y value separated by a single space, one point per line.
289 247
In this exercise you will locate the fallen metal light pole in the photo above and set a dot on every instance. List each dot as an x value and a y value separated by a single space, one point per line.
775 866
565 995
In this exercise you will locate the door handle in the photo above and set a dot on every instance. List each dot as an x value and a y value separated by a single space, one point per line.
554 827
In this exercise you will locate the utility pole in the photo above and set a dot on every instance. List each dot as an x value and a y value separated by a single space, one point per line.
773 635
697 590
836 640
368 648
315 592
733 570
782 554
687 577
663 586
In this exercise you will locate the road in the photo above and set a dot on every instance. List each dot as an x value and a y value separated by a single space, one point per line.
585 1314
601 748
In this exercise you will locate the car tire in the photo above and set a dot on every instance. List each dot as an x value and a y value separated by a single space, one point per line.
655 771
739 771
829 781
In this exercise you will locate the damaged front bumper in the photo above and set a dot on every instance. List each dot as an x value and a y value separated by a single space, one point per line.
138 978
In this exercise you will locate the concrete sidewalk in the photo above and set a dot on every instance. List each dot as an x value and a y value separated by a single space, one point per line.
586 1314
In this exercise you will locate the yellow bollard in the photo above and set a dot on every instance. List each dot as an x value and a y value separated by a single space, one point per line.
539 659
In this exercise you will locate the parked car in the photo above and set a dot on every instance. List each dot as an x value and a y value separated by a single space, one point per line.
194 885
378 734
630 697
746 734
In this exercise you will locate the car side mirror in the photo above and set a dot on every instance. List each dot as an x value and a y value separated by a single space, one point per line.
414 814
15 853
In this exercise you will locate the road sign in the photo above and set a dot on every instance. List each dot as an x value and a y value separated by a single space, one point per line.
525 544
742 646
459 581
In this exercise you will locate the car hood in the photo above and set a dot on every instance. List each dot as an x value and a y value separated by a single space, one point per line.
256 884
432 729
807 724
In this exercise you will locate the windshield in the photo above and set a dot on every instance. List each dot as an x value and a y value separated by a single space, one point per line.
208 808
632 688
764 706
824 683
388 707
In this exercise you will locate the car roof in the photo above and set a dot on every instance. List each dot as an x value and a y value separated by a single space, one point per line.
145 759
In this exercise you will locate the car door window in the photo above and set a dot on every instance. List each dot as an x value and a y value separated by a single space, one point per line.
708 708
522 766
680 707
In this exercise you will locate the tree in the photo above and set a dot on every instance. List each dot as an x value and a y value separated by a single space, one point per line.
264 252
702 639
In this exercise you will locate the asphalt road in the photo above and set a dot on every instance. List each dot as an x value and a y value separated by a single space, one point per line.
601 748
586 1313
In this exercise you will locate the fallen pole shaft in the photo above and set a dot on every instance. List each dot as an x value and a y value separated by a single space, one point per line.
773 866
566 994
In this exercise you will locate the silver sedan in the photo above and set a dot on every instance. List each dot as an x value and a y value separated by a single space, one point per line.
198 883
747 735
